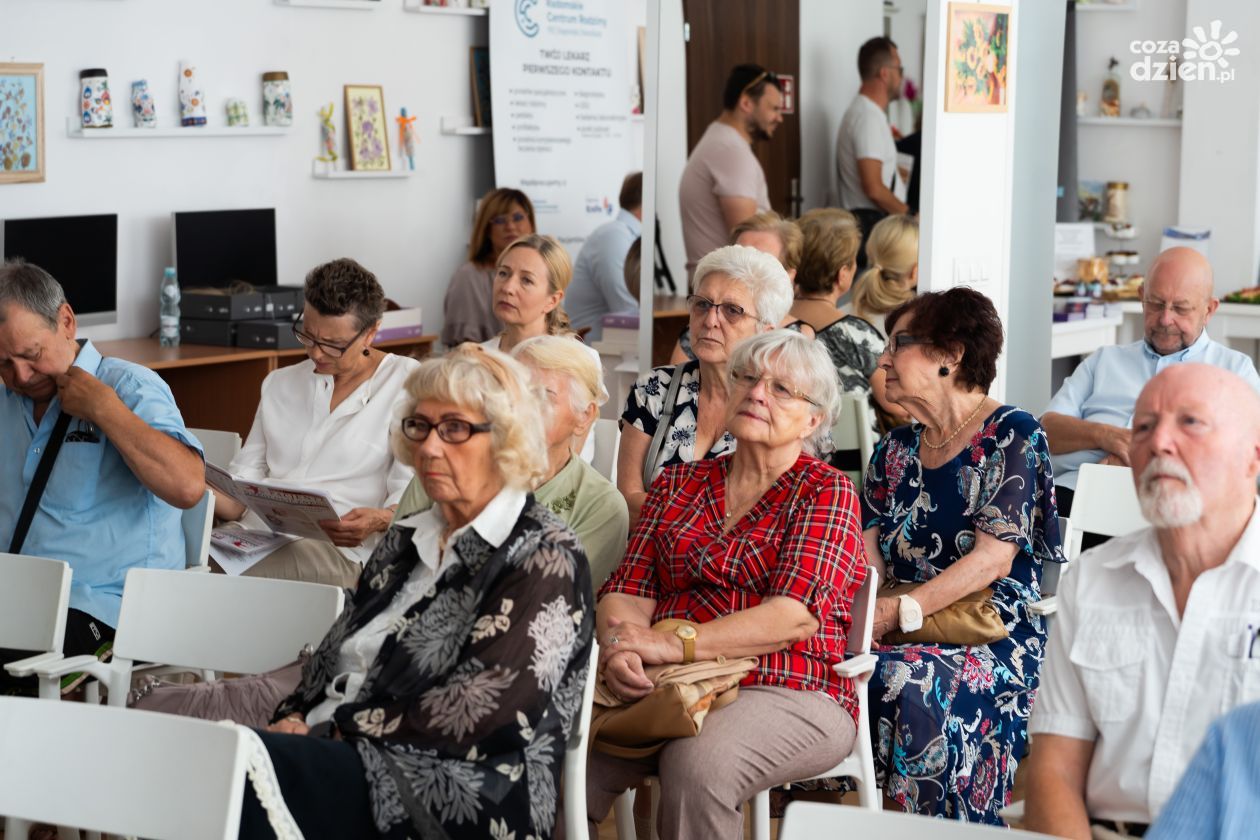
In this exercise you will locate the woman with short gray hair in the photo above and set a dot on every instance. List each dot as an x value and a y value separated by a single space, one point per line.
676 414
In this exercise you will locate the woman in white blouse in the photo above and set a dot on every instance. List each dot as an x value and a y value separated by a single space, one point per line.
324 424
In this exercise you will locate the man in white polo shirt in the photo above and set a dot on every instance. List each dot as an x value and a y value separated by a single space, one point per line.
1157 632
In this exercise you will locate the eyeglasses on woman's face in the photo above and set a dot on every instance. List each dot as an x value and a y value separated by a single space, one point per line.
516 218
780 390
900 341
451 430
732 313
336 351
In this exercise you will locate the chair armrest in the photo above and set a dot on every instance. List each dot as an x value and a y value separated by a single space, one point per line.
1046 606
203 568
25 667
863 663
1013 813
86 662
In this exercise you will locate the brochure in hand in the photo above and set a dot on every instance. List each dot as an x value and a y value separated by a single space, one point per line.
285 509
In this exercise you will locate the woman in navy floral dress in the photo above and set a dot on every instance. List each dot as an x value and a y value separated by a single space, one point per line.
961 501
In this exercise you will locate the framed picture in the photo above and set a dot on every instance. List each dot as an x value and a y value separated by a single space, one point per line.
21 123
479 68
366 129
977 59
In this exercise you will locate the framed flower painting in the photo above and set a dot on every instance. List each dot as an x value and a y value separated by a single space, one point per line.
366 128
21 123
978 58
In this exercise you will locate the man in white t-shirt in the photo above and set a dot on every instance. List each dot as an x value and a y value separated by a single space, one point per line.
866 151
723 183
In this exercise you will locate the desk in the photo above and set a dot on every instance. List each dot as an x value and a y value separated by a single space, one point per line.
669 318
218 387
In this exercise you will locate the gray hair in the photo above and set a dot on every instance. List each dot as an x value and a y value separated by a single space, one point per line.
31 288
790 356
764 277
565 354
494 384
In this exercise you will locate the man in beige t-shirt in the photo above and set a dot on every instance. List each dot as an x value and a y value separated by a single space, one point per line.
723 183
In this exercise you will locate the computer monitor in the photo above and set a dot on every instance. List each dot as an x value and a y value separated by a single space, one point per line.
216 248
80 252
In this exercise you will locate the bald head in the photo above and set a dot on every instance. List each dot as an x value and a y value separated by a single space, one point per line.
1177 300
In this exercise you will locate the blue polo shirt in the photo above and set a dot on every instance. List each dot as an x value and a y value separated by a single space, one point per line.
1104 389
94 514
599 280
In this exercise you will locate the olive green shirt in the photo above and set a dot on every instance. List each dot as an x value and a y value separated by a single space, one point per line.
586 501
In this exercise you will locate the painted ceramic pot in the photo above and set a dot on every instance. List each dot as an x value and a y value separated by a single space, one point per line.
95 106
142 110
277 99
237 113
192 100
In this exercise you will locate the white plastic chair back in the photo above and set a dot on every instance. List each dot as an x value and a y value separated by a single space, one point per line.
855 430
862 630
575 755
220 447
196 523
220 623
607 438
1105 503
814 820
141 773
34 597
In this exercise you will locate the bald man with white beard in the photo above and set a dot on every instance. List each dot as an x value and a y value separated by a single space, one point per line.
1156 631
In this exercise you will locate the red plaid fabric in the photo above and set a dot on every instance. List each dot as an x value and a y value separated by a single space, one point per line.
802 540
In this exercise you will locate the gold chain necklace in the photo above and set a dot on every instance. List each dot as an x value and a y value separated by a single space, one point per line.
945 442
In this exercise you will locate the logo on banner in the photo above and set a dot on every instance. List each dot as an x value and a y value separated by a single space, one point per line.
599 206
1201 58
528 27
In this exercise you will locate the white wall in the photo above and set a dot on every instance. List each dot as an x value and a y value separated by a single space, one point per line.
671 138
966 198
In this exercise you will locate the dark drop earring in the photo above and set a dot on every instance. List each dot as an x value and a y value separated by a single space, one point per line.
944 371
367 352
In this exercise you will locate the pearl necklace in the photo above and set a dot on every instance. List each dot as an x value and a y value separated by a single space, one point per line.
964 425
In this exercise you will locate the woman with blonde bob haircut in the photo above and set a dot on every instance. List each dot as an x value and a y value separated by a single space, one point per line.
570 487
676 414
759 553
893 254
487 591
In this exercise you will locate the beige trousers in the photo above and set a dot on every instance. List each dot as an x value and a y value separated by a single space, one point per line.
313 561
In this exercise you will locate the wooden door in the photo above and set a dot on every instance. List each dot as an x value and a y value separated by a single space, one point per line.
724 33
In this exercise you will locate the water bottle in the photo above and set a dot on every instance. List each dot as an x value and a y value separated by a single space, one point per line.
168 320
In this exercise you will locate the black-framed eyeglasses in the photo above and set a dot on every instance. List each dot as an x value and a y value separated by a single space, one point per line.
451 430
781 390
334 350
903 340
515 218
733 313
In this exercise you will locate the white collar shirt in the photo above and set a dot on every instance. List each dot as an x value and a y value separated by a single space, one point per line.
494 524
1123 669
345 452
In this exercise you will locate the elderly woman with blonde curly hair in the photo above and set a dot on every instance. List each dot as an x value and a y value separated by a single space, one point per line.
440 701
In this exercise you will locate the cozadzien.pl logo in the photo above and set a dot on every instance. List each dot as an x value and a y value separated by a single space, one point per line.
1205 57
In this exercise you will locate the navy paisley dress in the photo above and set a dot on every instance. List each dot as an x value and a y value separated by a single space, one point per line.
950 723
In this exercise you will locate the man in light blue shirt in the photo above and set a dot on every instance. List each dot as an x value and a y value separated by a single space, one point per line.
125 466
1088 421
599 285
1219 795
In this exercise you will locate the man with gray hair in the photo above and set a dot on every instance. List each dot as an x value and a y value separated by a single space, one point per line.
1157 631
95 461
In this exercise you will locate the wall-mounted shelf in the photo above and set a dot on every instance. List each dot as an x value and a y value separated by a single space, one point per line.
76 131
360 5
321 170
1136 122
463 127
1128 6
415 6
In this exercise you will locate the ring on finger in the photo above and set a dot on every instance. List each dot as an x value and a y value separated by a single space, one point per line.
612 640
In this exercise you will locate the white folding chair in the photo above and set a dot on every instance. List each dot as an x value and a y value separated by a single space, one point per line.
207 623
855 430
575 755
34 598
220 447
196 523
858 765
607 438
142 773
820 820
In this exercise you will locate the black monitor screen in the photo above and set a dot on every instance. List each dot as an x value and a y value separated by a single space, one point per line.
220 247
80 252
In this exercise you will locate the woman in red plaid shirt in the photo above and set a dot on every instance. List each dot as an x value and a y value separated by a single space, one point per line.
762 551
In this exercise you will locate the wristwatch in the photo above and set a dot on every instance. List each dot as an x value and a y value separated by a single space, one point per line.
688 634
909 614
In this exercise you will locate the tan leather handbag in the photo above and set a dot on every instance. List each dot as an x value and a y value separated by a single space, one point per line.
971 620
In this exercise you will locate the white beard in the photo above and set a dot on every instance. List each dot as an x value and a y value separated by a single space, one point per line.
1163 503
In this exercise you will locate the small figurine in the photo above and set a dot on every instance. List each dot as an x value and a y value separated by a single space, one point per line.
327 135
407 137
1082 104
192 100
1109 104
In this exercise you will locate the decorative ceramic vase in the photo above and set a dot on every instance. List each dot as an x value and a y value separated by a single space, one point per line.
237 113
95 106
192 101
142 110
277 99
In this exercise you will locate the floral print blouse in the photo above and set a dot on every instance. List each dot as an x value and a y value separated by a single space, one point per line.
645 405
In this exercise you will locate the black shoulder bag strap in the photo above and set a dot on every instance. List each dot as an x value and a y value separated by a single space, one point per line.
662 426
38 482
